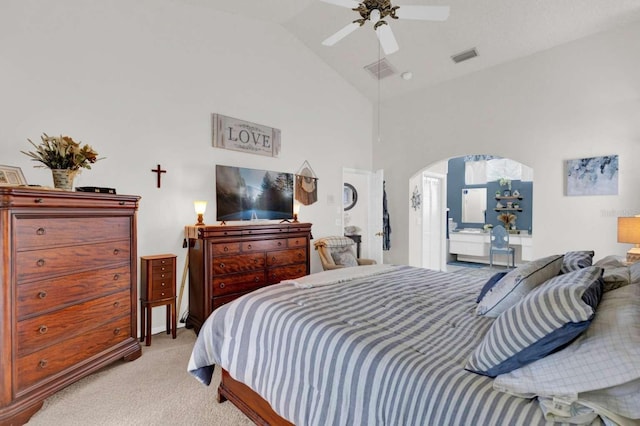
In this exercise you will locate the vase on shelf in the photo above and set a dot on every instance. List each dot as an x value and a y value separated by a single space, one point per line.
63 178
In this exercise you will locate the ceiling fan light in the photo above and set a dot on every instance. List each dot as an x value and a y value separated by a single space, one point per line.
374 15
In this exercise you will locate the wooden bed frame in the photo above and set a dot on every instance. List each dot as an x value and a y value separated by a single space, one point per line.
248 401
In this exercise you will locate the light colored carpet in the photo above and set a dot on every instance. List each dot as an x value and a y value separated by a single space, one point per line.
155 389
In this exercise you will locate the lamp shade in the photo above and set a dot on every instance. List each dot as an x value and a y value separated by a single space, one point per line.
629 230
200 206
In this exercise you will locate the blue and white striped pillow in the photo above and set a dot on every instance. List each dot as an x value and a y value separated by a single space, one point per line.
574 260
546 320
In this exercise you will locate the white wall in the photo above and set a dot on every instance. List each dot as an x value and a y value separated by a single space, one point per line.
138 81
578 100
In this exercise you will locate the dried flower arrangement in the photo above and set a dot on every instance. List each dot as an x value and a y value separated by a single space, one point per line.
508 219
62 152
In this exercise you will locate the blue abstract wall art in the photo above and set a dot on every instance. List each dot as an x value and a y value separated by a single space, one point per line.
593 176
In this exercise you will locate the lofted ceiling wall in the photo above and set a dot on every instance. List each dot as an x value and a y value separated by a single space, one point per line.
501 30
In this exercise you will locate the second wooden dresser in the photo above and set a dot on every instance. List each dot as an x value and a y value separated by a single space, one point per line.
67 306
228 261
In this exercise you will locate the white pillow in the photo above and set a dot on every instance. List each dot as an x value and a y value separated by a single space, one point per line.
600 363
517 284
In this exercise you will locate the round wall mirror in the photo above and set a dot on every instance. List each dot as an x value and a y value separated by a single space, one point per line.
349 196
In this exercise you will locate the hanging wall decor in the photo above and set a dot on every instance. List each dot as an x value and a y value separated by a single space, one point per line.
244 136
593 176
306 185
416 199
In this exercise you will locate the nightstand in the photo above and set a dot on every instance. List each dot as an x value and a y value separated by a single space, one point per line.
158 275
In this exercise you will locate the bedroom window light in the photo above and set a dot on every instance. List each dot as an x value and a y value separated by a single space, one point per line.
629 232
200 207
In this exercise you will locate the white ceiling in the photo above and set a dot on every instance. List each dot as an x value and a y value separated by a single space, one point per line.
501 30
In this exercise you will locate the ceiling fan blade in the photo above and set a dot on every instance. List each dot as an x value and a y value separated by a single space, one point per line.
330 41
352 4
387 39
423 13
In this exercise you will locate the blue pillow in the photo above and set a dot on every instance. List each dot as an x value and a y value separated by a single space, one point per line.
489 284
544 321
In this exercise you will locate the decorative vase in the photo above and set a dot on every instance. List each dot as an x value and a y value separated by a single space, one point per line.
63 178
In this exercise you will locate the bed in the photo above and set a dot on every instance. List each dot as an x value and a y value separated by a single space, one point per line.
381 344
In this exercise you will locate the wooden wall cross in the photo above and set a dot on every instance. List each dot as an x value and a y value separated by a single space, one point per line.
159 171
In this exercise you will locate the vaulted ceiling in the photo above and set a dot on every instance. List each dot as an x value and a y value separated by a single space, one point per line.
500 30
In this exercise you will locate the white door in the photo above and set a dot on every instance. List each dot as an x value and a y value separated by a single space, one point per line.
433 207
376 183
367 214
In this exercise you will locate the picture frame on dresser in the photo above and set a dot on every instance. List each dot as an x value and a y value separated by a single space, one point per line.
11 176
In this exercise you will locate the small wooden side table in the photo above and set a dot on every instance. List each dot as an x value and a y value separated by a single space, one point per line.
158 275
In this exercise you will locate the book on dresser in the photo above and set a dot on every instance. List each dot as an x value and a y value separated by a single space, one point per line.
228 261
69 291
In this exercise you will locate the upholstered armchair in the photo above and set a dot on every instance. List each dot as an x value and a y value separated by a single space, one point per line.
338 252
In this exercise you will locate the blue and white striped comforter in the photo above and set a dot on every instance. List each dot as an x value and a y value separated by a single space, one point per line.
388 349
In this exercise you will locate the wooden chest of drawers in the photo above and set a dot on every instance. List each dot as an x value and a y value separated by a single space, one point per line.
158 288
67 306
228 261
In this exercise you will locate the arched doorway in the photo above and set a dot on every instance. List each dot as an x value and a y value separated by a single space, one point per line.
445 191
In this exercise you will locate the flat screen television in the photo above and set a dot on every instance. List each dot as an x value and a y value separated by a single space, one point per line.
245 194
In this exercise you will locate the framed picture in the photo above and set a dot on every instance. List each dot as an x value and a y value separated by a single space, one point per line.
592 176
11 176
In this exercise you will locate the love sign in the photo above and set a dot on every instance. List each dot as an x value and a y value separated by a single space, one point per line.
239 135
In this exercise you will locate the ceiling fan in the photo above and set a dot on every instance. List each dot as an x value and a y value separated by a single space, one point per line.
376 11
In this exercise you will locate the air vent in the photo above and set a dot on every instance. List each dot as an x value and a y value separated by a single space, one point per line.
464 56
381 69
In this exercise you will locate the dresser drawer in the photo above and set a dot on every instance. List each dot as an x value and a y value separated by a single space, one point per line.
162 272
237 282
40 365
225 249
37 297
240 263
162 288
263 245
39 332
275 275
36 264
284 257
38 232
299 242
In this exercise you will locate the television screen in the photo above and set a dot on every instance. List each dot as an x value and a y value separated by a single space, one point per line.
244 194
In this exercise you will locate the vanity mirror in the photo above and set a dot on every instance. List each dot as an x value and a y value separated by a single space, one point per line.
474 205
349 196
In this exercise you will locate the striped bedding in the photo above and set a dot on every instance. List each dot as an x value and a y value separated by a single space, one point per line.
387 349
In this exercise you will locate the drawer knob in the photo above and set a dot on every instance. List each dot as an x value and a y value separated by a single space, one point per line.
162 284
42 294
273 259
299 255
256 279
116 251
116 331
40 263
116 277
255 260
116 304
226 248
163 261
121 203
222 265
43 363
249 246
279 243
163 269
43 329
161 294
38 201
221 285
40 231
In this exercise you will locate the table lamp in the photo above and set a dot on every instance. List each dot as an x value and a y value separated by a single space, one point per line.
200 207
629 232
